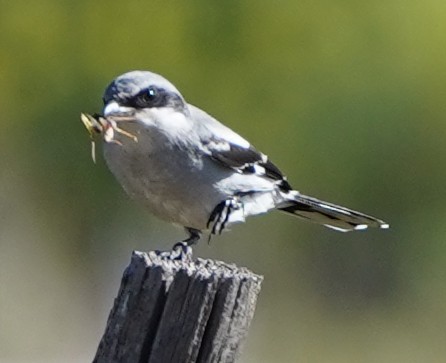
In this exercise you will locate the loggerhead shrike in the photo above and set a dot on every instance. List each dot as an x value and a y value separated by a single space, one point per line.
189 169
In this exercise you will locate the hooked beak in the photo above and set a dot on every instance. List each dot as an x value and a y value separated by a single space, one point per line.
114 109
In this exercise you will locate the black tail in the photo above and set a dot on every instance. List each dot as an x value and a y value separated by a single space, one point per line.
331 215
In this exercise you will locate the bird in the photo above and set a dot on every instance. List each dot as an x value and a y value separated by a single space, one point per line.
189 169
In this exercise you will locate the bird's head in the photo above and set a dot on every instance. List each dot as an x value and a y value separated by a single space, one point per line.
143 95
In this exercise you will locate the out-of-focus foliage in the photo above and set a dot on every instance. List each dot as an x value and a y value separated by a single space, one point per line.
347 97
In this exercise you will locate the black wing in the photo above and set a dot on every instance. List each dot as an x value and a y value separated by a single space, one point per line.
246 160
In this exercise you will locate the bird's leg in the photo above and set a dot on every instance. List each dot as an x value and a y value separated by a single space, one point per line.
183 250
185 247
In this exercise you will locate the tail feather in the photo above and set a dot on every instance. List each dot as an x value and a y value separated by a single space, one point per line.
331 215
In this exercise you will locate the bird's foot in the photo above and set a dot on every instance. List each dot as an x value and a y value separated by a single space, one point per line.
181 251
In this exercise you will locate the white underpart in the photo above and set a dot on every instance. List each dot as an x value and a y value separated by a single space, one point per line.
258 203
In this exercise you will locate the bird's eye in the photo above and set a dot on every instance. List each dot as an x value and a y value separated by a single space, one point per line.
148 98
151 93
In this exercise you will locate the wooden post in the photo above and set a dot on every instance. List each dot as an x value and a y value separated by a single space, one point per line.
176 311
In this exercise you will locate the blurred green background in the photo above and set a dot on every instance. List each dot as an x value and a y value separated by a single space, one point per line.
347 97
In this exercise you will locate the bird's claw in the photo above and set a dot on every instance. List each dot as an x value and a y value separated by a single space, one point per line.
181 251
